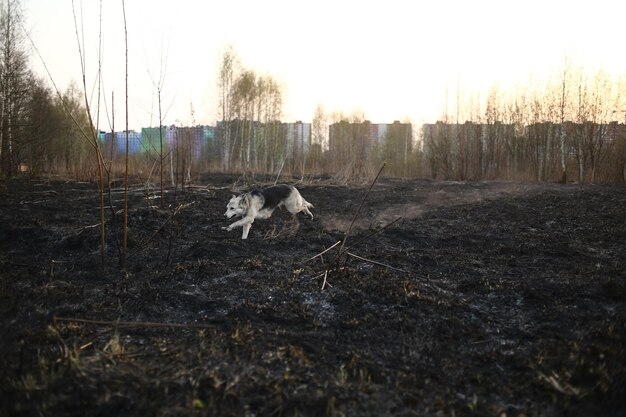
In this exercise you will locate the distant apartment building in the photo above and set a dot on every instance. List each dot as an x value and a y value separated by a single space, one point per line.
157 140
199 141
116 143
298 137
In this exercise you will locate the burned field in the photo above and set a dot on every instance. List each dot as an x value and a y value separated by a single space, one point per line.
474 299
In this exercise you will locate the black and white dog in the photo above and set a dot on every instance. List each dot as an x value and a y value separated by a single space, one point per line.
260 204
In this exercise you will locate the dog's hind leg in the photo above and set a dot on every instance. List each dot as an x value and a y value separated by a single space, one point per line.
296 203
305 209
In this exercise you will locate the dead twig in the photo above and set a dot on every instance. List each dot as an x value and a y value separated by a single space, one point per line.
183 206
323 252
376 263
563 387
325 281
145 324
82 229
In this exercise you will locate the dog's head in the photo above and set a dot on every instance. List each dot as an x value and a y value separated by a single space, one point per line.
237 206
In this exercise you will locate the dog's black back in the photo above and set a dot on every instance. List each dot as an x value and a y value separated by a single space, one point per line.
273 196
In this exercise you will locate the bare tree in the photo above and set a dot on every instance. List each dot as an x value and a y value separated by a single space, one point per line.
272 129
227 75
245 93
91 135
604 99
42 124
125 224
158 84
350 147
562 108
14 76
319 138
69 149
275 136
396 148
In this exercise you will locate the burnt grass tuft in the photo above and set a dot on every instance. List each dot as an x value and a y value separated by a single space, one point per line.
490 299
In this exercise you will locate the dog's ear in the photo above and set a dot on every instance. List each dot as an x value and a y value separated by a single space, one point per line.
234 196
245 201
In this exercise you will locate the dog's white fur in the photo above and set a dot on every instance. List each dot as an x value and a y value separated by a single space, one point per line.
260 204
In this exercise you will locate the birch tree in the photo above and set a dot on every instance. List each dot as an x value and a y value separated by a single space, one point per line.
562 110
229 68
14 75
604 99
319 138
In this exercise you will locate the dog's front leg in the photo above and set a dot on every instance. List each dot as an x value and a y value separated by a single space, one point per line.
248 220
246 229
245 223
239 223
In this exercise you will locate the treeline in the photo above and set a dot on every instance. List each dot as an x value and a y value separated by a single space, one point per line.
564 130
39 131
547 151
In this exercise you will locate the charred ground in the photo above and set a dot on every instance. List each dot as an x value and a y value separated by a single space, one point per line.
493 299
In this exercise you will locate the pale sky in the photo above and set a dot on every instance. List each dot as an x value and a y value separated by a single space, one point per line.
387 59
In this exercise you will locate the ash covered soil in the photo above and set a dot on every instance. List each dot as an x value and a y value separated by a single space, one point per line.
490 299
